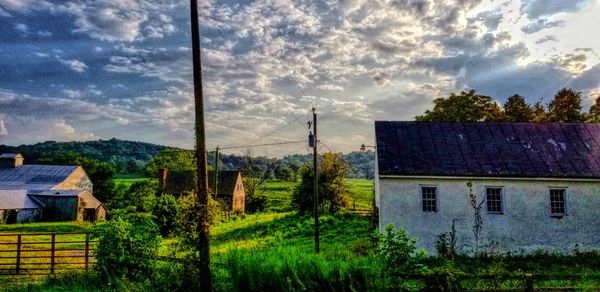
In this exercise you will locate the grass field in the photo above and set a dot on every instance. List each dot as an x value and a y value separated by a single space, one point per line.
280 194
128 181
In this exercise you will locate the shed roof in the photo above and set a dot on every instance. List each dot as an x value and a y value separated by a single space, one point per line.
552 150
227 181
17 199
11 155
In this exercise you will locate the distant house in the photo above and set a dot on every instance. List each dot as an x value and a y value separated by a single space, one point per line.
538 183
230 186
45 192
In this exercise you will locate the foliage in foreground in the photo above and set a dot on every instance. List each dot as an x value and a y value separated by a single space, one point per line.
127 245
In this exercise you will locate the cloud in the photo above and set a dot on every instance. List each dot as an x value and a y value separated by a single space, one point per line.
548 38
540 24
22 28
538 8
75 65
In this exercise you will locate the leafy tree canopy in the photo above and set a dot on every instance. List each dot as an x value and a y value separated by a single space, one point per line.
467 106
566 107
517 110
333 189
171 159
594 114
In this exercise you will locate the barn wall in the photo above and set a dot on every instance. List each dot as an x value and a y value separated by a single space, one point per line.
101 213
60 207
524 227
28 215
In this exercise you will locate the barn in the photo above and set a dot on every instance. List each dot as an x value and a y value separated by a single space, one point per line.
230 186
31 192
535 186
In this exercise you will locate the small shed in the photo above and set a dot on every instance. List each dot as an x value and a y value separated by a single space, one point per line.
77 205
16 207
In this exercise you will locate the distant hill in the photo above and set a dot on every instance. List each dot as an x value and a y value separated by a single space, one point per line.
122 153
131 157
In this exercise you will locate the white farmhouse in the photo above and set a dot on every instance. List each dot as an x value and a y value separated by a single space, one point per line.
538 183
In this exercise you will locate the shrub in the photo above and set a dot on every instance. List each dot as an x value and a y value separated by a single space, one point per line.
165 212
127 245
398 251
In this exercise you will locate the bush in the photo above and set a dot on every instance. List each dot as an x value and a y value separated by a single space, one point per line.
256 203
399 251
127 245
165 212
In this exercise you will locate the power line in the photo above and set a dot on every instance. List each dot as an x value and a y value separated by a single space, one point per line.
261 145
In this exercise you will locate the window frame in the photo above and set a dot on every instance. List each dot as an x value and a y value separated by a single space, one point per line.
436 194
565 202
501 200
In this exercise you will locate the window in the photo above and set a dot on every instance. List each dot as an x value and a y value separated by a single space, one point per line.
429 199
494 200
557 202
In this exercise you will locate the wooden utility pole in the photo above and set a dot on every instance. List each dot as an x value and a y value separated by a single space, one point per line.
316 180
201 204
216 171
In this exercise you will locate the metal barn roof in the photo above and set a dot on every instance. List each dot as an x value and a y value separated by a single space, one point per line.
34 177
553 150
17 199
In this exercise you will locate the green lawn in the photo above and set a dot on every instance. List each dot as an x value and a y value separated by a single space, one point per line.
280 194
129 180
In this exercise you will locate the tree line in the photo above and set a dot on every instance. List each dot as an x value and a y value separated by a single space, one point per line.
470 106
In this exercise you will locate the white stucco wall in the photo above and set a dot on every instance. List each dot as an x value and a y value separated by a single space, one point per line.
525 226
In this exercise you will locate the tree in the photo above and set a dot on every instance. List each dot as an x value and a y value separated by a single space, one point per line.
517 110
566 107
539 113
284 173
333 189
172 159
142 195
100 173
594 114
463 107
256 172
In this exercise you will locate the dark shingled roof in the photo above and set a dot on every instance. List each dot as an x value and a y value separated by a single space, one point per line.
180 182
554 150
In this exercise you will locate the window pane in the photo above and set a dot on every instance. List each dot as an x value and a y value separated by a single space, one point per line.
428 195
557 202
494 200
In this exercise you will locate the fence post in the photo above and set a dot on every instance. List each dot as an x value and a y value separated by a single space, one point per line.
87 251
18 265
528 283
52 249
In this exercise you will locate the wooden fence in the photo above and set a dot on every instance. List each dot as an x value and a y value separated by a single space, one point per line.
45 253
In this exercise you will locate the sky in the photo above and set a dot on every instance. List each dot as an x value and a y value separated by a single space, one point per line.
98 69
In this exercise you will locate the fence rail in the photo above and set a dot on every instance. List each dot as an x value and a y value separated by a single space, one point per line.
45 253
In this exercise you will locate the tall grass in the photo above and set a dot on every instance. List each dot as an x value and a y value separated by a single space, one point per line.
293 269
